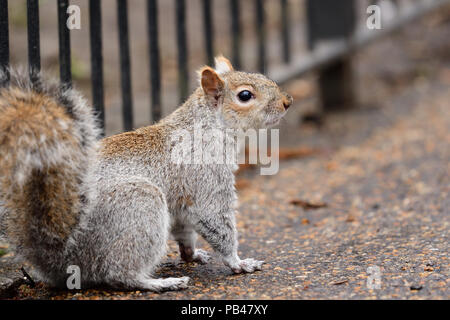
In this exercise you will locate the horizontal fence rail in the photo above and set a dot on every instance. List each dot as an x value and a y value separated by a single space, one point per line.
360 38
325 19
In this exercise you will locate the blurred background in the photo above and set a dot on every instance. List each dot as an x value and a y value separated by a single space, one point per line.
364 176
288 44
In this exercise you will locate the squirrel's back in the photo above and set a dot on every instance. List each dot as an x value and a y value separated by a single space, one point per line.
48 141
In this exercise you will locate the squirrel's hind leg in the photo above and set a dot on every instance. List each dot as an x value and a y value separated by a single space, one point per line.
132 239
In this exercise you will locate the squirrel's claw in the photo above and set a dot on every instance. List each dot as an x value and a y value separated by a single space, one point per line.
248 266
201 256
189 255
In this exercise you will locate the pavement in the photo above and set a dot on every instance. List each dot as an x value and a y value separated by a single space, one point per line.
364 215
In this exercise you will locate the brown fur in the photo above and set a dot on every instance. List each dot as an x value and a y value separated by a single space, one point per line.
134 142
210 82
53 200
43 160
184 202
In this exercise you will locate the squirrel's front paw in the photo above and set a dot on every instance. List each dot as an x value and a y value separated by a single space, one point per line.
246 265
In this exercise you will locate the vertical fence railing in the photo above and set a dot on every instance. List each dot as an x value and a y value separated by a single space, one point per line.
286 31
235 16
65 73
208 30
183 70
326 19
125 64
95 34
34 49
261 34
4 40
155 71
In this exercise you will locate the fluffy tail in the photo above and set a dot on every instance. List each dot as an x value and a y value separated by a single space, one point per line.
48 141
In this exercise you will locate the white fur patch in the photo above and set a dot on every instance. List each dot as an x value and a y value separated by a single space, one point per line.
222 66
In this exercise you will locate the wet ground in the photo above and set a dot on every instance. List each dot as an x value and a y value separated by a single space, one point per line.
361 211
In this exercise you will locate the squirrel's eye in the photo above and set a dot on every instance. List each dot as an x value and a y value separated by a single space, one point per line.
245 95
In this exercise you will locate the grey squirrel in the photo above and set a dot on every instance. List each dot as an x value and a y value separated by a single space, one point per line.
108 206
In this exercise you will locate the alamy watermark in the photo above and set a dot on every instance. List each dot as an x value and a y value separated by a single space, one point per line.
374 19
382 11
374 278
74 19
74 280
226 146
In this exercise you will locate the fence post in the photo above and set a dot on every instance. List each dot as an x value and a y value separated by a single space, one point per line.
235 16
286 30
34 49
125 64
183 73
65 73
331 19
261 34
95 35
4 39
209 30
155 69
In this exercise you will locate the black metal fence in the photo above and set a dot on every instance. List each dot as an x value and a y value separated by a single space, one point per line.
325 19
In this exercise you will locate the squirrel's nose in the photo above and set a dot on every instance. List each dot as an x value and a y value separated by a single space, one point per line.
287 100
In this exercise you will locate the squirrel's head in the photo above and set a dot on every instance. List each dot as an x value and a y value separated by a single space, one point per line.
245 100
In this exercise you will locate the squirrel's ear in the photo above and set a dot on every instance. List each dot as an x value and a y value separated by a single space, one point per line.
211 82
223 65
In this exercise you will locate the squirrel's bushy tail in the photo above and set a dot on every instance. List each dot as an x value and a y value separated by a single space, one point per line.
48 139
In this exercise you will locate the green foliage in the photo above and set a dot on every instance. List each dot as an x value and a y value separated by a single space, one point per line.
80 70
18 13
